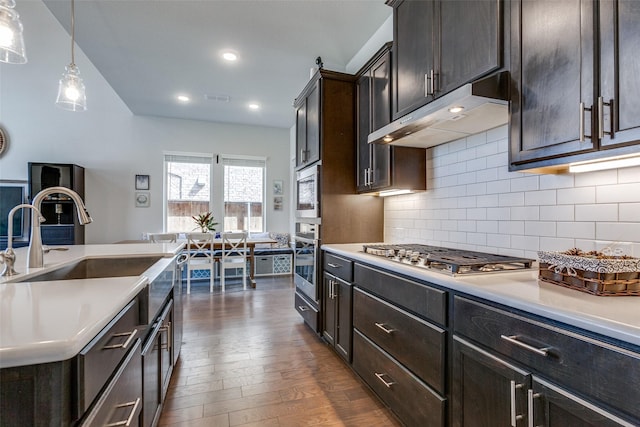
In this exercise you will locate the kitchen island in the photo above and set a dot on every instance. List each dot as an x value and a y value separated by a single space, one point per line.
491 349
70 348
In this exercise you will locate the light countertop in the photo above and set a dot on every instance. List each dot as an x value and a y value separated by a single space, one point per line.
52 321
615 317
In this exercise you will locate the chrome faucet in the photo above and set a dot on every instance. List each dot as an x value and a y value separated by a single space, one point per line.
8 257
36 252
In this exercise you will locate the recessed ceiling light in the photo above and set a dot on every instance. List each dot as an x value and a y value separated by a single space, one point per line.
183 98
229 56
254 106
456 109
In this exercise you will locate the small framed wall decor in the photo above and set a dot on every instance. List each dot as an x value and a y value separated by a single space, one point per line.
142 182
143 199
277 203
278 187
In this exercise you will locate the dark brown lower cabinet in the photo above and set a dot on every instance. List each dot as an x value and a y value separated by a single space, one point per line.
337 324
414 402
490 391
157 365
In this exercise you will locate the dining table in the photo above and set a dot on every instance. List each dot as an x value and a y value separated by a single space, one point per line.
252 242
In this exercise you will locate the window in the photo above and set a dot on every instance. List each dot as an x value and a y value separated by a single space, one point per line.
244 193
188 190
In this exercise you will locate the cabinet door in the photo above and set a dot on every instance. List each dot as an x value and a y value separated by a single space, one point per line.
344 323
487 391
414 32
363 87
329 315
552 61
620 67
470 41
555 407
301 134
381 116
313 125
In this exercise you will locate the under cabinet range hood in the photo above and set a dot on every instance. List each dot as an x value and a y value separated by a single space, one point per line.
470 109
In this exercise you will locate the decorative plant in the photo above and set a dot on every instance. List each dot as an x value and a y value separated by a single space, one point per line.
205 222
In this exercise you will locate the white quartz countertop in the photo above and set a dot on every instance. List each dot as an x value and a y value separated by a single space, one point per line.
615 317
52 321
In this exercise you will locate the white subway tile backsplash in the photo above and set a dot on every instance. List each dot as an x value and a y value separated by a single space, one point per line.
473 201
575 196
618 231
557 213
541 197
607 212
528 183
577 230
629 212
511 199
540 228
525 213
596 178
621 193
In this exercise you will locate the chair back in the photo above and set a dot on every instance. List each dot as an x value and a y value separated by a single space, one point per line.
200 246
234 245
163 237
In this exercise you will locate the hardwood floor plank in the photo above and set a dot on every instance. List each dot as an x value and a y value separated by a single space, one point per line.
249 360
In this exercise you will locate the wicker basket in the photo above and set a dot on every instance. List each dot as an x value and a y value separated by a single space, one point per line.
603 277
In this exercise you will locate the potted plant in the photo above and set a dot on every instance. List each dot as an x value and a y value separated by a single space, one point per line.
205 222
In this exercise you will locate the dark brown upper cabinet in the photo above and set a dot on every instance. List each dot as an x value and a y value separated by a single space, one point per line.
308 126
380 166
439 45
574 94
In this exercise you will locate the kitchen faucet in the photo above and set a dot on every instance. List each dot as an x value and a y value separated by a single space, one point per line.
36 252
8 257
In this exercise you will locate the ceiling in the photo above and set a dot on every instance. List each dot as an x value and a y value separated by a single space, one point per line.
150 51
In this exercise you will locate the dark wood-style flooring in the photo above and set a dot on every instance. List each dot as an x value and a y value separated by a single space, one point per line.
249 360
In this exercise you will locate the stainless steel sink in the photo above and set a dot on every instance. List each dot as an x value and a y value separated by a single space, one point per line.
95 268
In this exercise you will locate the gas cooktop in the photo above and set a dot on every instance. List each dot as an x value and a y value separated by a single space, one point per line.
448 260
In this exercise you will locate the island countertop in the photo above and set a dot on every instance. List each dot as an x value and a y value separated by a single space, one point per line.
51 321
616 317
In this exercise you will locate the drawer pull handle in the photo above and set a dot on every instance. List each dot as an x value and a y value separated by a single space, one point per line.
124 344
514 416
126 422
530 396
513 339
387 384
384 329
332 265
303 308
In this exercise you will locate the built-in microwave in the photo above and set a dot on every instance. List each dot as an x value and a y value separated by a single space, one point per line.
308 192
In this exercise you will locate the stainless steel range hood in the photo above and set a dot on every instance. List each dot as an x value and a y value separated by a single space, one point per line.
484 106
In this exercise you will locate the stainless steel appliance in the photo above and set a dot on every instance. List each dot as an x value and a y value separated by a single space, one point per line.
306 259
448 260
308 192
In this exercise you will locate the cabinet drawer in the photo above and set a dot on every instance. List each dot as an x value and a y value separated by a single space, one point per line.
99 359
308 312
339 267
420 299
121 402
412 401
591 367
419 346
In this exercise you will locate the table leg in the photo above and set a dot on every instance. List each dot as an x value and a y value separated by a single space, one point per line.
251 269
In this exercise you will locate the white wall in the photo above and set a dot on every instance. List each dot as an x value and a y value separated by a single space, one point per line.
474 202
110 142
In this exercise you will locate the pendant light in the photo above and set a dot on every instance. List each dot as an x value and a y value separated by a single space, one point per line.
11 39
71 93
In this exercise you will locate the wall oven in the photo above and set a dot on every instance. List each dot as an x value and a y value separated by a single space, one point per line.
308 192
306 259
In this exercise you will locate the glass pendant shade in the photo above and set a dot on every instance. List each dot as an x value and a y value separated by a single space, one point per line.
11 38
71 93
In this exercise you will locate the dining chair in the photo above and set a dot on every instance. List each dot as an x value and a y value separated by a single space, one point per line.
200 256
163 237
233 255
